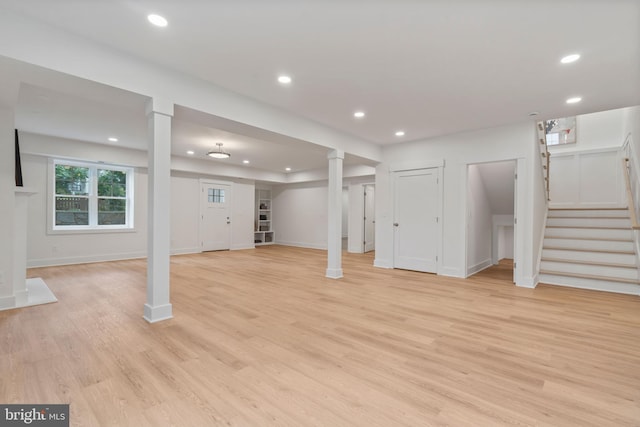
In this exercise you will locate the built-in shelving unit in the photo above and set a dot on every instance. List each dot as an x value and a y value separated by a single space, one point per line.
263 233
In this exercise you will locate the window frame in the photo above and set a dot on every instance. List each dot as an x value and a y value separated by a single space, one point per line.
93 226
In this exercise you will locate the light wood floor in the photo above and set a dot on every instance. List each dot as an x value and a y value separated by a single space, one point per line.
261 338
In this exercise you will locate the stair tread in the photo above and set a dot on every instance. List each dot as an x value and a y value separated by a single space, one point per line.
589 217
589 276
604 251
589 227
599 239
589 209
599 264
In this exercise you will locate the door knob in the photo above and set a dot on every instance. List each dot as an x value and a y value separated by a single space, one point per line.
395 224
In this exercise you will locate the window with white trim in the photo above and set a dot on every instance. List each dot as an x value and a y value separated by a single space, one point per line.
90 196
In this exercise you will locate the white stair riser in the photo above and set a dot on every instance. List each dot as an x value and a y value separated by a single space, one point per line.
590 233
595 245
596 270
590 222
627 259
600 285
613 213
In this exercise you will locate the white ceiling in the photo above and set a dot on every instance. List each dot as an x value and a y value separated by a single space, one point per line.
427 67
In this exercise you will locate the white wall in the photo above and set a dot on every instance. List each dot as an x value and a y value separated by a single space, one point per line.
345 212
479 223
504 143
505 242
300 214
55 249
243 214
587 179
597 130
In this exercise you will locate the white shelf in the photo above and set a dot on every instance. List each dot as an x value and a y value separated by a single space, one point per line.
263 232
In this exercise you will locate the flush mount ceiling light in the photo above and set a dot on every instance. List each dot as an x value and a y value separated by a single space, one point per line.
190 152
570 58
113 139
574 100
284 79
287 169
358 114
400 133
219 154
246 162
157 20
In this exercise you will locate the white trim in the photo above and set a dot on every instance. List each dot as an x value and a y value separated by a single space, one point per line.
383 263
415 164
48 262
302 245
243 247
334 273
479 267
451 272
93 227
185 251
7 302
157 313
528 282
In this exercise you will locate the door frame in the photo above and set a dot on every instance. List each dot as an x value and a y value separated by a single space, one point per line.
438 166
202 181
519 204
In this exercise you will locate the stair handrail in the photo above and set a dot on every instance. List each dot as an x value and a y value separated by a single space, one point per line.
630 202
627 163
544 152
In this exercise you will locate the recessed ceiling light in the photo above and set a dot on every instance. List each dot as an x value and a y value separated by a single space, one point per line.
284 79
358 114
570 58
287 169
113 139
400 133
574 100
533 113
190 152
246 162
157 20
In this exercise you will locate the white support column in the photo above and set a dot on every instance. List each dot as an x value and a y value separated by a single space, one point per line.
20 245
334 240
158 307
7 205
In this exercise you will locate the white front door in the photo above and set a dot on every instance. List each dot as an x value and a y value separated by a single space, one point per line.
215 216
416 221
369 218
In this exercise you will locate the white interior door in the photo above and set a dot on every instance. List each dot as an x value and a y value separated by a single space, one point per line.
369 218
215 216
416 221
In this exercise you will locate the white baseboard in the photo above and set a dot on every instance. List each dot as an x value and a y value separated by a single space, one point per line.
243 247
185 251
382 263
7 302
479 267
450 272
528 282
157 313
301 245
334 273
48 262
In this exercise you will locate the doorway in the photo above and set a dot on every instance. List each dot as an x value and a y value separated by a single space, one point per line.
491 216
215 215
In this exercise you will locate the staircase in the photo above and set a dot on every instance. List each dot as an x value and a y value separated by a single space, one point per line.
591 249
